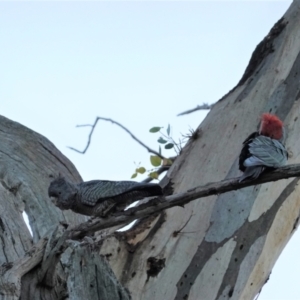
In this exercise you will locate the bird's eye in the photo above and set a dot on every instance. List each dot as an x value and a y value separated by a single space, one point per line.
59 193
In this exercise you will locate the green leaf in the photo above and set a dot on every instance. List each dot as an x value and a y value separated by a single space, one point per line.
133 175
141 170
155 161
169 146
153 175
162 141
155 129
168 130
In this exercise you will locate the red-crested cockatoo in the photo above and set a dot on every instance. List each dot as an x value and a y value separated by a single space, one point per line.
263 149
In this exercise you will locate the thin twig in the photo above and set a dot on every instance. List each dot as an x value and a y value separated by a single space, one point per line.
176 232
204 106
159 171
170 139
120 125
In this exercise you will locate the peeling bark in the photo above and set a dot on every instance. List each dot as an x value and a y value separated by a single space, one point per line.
246 229
28 163
219 246
90 277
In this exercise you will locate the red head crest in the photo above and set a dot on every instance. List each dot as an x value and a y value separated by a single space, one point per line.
271 126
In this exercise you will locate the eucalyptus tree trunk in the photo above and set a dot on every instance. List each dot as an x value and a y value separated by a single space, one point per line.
223 247
218 247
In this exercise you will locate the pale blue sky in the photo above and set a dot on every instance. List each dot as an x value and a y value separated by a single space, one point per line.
140 63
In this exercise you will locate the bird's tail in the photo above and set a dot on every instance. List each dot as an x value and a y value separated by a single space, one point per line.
252 173
150 189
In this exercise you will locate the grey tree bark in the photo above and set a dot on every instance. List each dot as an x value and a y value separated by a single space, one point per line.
219 247
28 162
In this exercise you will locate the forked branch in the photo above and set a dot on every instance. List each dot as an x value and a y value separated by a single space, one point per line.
93 126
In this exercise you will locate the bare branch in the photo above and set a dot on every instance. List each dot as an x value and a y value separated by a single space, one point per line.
163 203
149 208
204 106
120 125
89 137
12 272
30 260
47 271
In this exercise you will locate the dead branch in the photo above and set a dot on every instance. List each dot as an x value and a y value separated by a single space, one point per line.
12 272
204 106
149 208
120 125
159 204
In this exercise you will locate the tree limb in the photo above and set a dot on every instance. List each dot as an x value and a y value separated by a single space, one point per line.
204 106
12 272
162 203
120 125
154 206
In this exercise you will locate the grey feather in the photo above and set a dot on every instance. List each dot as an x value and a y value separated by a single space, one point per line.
98 197
252 172
265 153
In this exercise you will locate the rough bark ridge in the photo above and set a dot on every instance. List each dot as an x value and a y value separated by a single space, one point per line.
218 247
227 244
28 162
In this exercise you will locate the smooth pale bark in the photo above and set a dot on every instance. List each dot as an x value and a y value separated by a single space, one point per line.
218 247
227 244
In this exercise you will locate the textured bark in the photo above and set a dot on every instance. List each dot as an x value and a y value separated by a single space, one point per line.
219 247
225 246
92 278
28 162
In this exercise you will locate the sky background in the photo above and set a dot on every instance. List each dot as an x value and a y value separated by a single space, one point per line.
139 63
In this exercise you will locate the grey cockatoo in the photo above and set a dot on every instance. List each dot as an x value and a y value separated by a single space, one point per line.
99 197
263 149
